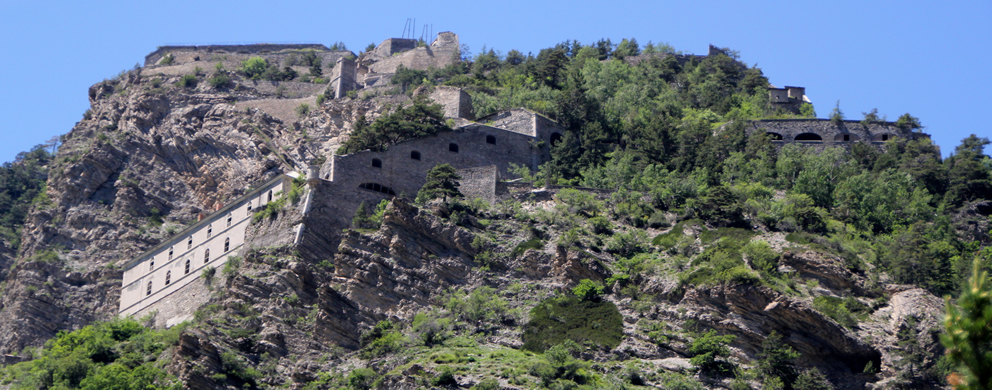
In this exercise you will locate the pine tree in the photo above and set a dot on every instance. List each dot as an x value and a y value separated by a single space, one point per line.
442 182
969 334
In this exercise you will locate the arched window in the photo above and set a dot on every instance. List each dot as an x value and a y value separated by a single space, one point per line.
151 265
491 139
210 230
847 137
809 137
149 290
377 188
885 137
187 266
189 243
168 277
249 208
229 216
774 136
170 253
453 147
227 244
555 138
270 196
415 155
376 163
206 256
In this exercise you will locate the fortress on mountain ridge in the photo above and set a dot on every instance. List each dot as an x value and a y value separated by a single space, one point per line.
165 280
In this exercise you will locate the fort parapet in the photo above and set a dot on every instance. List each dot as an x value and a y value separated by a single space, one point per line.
272 52
824 132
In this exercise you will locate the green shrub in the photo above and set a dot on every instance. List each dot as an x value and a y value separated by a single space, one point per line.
445 377
482 304
187 81
762 257
587 290
361 378
706 348
380 340
567 318
220 81
601 225
167 59
628 243
254 67
98 356
321 98
846 312
302 109
535 244
487 384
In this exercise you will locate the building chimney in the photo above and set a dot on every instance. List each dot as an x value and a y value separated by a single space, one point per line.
199 217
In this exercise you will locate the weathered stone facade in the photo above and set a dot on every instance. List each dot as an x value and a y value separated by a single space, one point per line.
166 279
167 268
274 53
824 132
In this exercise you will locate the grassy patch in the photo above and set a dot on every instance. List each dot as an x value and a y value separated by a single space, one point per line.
672 237
846 311
535 244
596 323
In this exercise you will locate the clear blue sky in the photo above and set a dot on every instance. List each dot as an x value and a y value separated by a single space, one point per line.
910 56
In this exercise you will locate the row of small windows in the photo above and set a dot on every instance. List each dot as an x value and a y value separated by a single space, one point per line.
415 155
187 266
816 137
377 188
206 255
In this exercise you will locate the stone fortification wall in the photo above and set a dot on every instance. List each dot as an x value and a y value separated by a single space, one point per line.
827 133
392 46
180 305
271 52
400 172
181 259
343 77
441 53
456 102
480 182
517 120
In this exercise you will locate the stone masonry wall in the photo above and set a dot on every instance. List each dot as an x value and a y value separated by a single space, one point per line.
456 102
404 174
224 229
271 52
832 134
479 182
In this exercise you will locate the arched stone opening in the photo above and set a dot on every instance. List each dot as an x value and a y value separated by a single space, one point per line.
491 139
774 136
882 137
377 188
555 138
376 163
808 137
846 138
453 147
415 155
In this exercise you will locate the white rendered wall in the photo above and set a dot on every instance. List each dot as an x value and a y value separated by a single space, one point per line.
134 293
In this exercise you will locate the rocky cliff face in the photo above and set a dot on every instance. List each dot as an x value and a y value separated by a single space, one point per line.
150 156
147 158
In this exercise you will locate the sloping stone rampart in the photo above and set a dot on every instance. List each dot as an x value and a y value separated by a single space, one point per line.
275 53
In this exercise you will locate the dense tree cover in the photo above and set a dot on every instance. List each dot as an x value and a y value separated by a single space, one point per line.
669 133
414 121
119 354
22 182
969 333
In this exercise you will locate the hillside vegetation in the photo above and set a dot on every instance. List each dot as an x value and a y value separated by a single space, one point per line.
660 247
